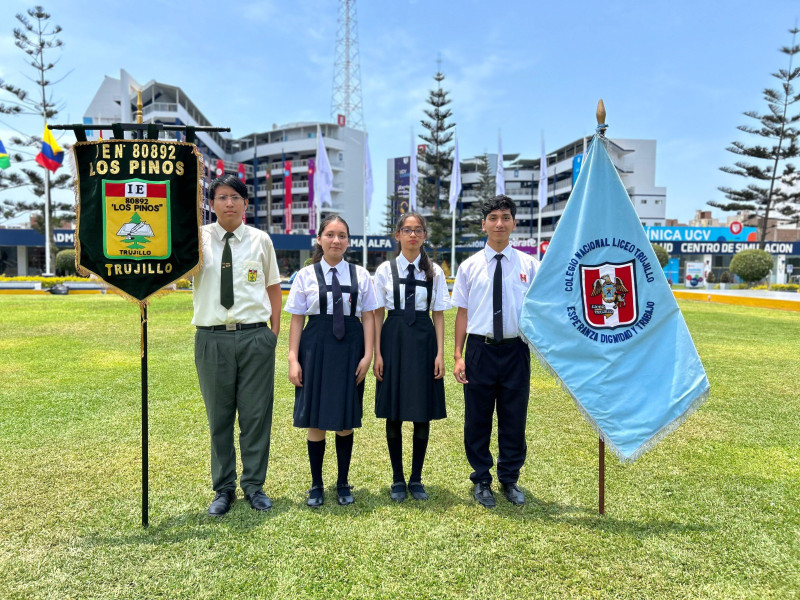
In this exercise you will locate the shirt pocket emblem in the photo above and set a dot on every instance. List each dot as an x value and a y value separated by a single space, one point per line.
251 269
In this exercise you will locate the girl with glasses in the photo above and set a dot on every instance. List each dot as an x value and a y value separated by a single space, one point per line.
409 350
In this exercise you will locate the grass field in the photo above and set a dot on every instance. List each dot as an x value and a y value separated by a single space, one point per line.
713 512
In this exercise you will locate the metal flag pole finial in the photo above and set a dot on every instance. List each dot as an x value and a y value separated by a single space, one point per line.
139 106
601 117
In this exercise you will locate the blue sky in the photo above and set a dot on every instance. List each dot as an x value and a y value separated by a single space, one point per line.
678 72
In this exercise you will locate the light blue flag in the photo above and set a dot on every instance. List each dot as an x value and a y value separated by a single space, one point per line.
602 318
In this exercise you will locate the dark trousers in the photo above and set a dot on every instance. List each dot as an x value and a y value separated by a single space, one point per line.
236 370
499 378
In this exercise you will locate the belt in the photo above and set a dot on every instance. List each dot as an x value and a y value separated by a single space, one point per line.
492 341
231 326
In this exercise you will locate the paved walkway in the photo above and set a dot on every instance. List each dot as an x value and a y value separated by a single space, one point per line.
760 298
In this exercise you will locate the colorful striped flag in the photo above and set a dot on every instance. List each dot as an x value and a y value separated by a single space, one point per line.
5 161
51 156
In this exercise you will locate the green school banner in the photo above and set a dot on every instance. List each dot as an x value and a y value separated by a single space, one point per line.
138 211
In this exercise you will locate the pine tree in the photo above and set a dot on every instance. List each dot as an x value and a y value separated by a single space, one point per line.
36 37
776 181
435 165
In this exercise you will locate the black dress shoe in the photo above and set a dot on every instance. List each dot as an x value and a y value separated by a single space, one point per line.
484 495
222 503
316 496
344 496
259 501
513 494
398 491
417 490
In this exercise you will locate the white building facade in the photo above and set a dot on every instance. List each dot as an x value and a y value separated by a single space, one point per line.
635 161
265 155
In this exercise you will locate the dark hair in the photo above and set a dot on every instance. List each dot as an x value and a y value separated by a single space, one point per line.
317 256
424 262
230 180
501 202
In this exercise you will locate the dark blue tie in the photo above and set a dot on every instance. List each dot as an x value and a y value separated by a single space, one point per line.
497 299
338 306
411 297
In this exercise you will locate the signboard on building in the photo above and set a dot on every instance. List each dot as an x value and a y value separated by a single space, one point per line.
694 274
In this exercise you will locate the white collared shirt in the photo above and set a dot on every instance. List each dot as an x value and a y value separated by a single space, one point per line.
384 286
474 285
254 269
304 296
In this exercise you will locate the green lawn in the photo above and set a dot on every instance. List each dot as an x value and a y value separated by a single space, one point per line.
713 512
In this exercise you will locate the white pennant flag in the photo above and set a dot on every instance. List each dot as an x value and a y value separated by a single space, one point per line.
455 180
543 179
412 187
369 185
323 176
499 176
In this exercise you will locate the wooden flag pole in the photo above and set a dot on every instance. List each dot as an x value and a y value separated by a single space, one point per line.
601 498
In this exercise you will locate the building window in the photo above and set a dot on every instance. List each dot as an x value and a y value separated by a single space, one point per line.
659 201
644 200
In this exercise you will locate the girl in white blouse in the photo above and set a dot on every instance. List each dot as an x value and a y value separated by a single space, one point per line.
409 350
330 356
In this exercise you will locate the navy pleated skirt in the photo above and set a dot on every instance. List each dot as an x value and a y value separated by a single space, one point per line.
409 391
330 399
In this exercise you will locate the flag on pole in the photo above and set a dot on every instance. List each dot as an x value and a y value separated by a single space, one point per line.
220 170
543 179
312 211
242 173
323 176
287 195
602 318
413 178
5 161
499 176
455 180
51 155
369 184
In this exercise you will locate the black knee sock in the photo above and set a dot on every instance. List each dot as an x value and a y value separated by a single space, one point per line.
394 440
419 448
344 451
316 453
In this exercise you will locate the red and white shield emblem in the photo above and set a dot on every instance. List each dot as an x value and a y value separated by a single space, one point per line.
609 295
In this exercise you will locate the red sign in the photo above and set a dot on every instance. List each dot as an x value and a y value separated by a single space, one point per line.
341 120
544 246
287 197
241 172
220 168
422 148
608 292
736 227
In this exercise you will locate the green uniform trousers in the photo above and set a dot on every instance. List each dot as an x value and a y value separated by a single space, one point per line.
236 370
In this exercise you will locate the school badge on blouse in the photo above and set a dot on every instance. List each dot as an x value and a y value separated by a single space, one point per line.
252 275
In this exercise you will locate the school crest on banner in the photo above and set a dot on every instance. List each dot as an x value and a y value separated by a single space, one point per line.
609 294
138 207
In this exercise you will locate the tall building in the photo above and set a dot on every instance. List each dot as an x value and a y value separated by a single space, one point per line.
635 161
268 157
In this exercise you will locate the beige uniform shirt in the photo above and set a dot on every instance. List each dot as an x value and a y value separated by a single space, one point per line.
254 269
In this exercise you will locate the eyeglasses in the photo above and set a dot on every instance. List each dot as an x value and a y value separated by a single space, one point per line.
418 231
233 198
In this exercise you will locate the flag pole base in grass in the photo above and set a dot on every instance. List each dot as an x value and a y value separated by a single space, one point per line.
145 454
601 499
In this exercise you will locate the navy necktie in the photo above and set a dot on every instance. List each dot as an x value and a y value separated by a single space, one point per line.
226 274
411 297
338 306
497 299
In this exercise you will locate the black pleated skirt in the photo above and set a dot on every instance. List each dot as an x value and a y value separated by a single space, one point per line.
330 398
409 391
